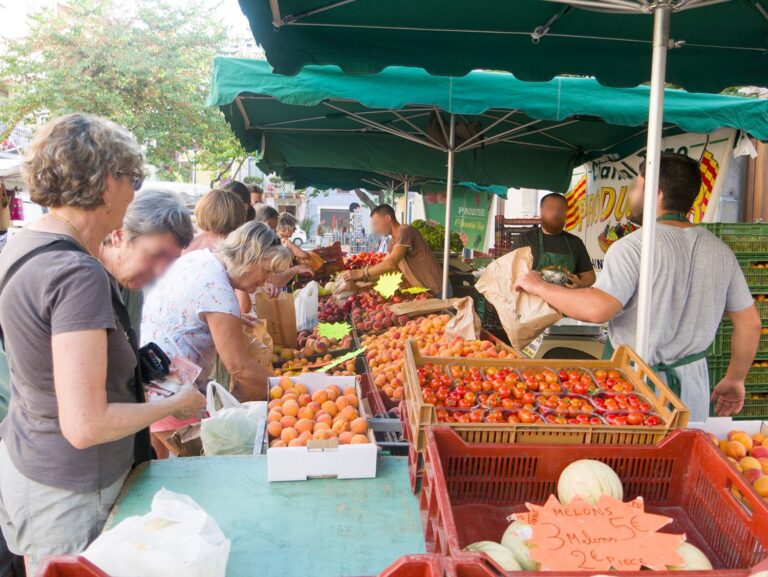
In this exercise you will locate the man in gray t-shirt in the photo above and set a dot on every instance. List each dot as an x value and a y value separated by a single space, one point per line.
696 279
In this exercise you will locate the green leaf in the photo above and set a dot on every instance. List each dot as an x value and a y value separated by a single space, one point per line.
415 290
334 330
341 359
388 284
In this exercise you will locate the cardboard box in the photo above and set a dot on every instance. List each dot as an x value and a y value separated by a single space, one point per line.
323 458
721 426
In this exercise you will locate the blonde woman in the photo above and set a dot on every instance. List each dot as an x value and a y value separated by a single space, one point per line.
76 422
193 311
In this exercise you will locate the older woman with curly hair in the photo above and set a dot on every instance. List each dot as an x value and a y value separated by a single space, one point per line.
193 311
76 422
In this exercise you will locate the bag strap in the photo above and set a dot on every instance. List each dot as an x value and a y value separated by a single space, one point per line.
142 445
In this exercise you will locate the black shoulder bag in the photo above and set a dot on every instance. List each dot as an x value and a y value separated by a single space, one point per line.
142 447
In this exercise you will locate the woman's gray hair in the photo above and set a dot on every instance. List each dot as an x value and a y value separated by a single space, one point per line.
286 220
69 160
250 244
155 211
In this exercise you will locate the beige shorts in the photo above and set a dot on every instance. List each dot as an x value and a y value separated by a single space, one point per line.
38 521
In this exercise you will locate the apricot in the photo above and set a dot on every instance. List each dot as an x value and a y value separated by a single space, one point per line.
330 408
320 396
340 426
285 383
277 444
288 421
345 437
289 434
296 443
752 475
322 435
301 389
290 408
324 418
342 403
761 486
352 400
321 427
359 440
275 403
274 429
304 399
359 426
743 438
350 391
349 413
758 438
304 425
274 415
276 392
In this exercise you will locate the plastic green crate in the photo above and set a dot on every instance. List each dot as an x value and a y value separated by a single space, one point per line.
721 346
762 310
757 278
755 405
757 378
742 238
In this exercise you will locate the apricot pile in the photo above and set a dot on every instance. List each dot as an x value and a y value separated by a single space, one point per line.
297 416
749 455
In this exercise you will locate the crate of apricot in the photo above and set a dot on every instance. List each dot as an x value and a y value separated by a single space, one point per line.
616 401
317 426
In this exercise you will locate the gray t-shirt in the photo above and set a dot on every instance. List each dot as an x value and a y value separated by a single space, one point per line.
53 293
696 279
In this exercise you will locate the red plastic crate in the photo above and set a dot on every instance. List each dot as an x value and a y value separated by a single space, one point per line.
69 566
415 458
469 565
406 566
470 489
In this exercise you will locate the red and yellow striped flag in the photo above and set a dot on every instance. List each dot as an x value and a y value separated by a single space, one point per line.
709 169
574 197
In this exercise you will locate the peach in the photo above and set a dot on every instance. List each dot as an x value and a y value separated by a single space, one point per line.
741 437
750 463
760 485
735 450
764 464
759 452
758 438
752 475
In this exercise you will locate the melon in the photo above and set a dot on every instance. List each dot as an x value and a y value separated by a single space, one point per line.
514 539
500 554
588 479
693 559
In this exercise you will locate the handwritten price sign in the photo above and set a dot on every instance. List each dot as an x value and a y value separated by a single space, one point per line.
611 535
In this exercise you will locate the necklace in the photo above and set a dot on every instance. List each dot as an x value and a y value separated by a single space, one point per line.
73 230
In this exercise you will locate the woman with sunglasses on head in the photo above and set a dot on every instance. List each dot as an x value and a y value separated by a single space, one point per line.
76 422
193 311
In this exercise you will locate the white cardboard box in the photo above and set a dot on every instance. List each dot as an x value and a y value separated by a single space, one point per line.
340 461
721 426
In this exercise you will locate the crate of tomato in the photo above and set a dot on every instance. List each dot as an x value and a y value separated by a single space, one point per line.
616 401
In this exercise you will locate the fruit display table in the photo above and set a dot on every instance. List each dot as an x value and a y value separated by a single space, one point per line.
321 527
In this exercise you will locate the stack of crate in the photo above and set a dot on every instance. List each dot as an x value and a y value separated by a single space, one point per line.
749 243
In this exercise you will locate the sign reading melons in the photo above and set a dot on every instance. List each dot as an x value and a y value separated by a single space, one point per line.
609 535
598 204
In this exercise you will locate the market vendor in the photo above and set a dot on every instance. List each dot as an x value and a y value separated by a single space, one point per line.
555 249
408 253
696 279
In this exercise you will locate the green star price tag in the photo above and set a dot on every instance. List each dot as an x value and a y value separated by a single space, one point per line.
341 359
388 284
334 330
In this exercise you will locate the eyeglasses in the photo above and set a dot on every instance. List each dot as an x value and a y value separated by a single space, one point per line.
137 178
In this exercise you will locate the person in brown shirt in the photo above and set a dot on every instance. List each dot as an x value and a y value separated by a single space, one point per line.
408 253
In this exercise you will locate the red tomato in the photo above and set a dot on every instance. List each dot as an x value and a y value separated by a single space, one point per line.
635 419
527 416
529 398
464 404
563 375
504 392
652 421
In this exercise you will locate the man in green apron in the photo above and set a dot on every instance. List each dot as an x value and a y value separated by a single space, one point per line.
696 279
557 250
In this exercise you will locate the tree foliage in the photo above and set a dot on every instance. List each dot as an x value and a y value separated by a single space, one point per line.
145 67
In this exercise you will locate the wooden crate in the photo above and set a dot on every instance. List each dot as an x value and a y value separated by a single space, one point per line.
666 404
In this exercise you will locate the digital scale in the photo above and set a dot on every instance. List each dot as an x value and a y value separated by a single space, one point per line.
568 339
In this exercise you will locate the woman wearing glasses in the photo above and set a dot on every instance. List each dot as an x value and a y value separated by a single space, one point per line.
76 421
193 311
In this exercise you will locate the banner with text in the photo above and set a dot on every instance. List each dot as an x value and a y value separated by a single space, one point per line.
469 214
598 204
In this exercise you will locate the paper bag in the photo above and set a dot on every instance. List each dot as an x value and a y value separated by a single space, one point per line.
259 343
316 262
523 316
425 307
466 323
186 442
280 315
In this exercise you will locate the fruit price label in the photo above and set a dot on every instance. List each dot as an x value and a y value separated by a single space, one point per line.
341 359
333 330
388 284
610 535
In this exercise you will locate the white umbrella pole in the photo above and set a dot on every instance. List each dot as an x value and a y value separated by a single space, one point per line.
448 202
407 191
655 124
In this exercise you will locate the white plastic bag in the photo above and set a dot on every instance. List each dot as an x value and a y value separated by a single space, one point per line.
177 537
306 305
233 428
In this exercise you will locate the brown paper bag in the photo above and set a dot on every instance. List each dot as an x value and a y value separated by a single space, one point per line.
523 316
316 262
280 315
186 441
424 307
466 324
259 343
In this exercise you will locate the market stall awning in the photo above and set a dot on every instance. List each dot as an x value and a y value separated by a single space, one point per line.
534 39
510 133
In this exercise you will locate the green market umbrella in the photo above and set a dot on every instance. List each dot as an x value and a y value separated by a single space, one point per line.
514 133
716 43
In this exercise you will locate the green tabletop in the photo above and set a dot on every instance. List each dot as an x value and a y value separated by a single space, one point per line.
320 527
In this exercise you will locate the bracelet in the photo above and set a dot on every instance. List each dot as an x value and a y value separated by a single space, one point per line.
366 276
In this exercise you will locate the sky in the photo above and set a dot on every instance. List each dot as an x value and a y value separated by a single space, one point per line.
13 15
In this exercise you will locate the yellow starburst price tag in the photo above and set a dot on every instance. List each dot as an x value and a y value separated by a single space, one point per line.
415 290
388 284
334 330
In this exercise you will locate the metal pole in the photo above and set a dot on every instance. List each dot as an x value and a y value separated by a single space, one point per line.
448 202
407 190
653 152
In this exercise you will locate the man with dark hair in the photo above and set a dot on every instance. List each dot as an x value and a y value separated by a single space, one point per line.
267 215
553 248
696 278
408 253
245 195
257 194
